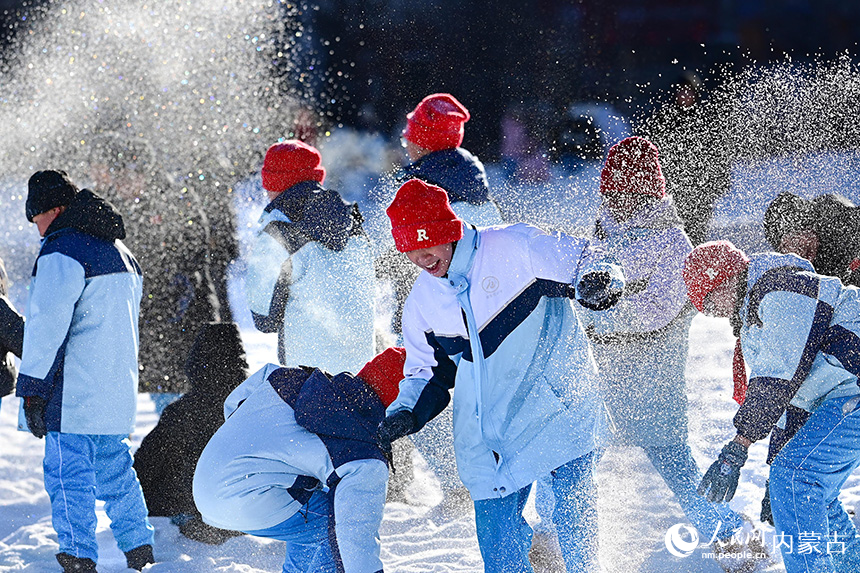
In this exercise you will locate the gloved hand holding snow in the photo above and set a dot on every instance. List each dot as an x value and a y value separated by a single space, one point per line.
598 290
721 479
392 428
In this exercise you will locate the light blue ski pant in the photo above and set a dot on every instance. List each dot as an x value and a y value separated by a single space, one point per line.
504 536
816 534
81 468
679 470
307 536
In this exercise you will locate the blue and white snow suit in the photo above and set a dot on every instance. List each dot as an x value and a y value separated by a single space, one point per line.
532 398
526 391
310 279
800 334
80 355
463 177
298 444
80 339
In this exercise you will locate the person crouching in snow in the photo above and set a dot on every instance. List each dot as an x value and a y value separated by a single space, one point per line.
641 343
167 456
799 333
492 312
296 460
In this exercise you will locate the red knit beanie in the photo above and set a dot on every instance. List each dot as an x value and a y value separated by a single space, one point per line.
291 162
384 373
710 265
421 217
632 167
436 123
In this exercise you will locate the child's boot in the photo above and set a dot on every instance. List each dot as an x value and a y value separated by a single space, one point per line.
72 564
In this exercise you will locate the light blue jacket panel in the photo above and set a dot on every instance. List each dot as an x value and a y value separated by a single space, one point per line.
532 397
800 339
244 472
320 301
81 334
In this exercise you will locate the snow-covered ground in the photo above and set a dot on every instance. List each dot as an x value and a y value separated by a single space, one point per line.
636 508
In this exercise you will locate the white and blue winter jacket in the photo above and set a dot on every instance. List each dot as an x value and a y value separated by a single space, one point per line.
530 402
81 334
310 279
800 334
289 432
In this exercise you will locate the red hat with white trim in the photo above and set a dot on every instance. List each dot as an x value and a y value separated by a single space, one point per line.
632 167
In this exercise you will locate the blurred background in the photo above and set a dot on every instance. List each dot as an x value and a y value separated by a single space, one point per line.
365 64
168 107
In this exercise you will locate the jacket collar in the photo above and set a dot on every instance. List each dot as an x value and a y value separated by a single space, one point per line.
463 258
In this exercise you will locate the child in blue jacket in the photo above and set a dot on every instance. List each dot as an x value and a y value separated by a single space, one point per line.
491 312
79 369
799 334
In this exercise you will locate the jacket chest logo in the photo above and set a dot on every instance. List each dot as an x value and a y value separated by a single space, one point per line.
490 284
422 235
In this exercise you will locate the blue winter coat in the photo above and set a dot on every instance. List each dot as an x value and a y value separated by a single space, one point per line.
800 334
81 337
531 400
289 432
310 279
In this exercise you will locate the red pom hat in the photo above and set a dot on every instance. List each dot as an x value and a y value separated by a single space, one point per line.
632 167
421 217
436 123
291 162
384 373
710 265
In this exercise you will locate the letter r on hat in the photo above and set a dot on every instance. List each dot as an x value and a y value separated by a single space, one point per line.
422 235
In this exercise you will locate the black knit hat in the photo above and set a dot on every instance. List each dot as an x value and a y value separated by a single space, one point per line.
48 189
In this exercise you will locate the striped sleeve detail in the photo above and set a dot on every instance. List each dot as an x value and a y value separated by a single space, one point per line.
435 395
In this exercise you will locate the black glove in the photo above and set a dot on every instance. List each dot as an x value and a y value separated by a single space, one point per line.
721 479
594 292
34 412
394 427
766 513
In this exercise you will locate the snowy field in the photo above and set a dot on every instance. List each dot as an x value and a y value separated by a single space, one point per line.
636 508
